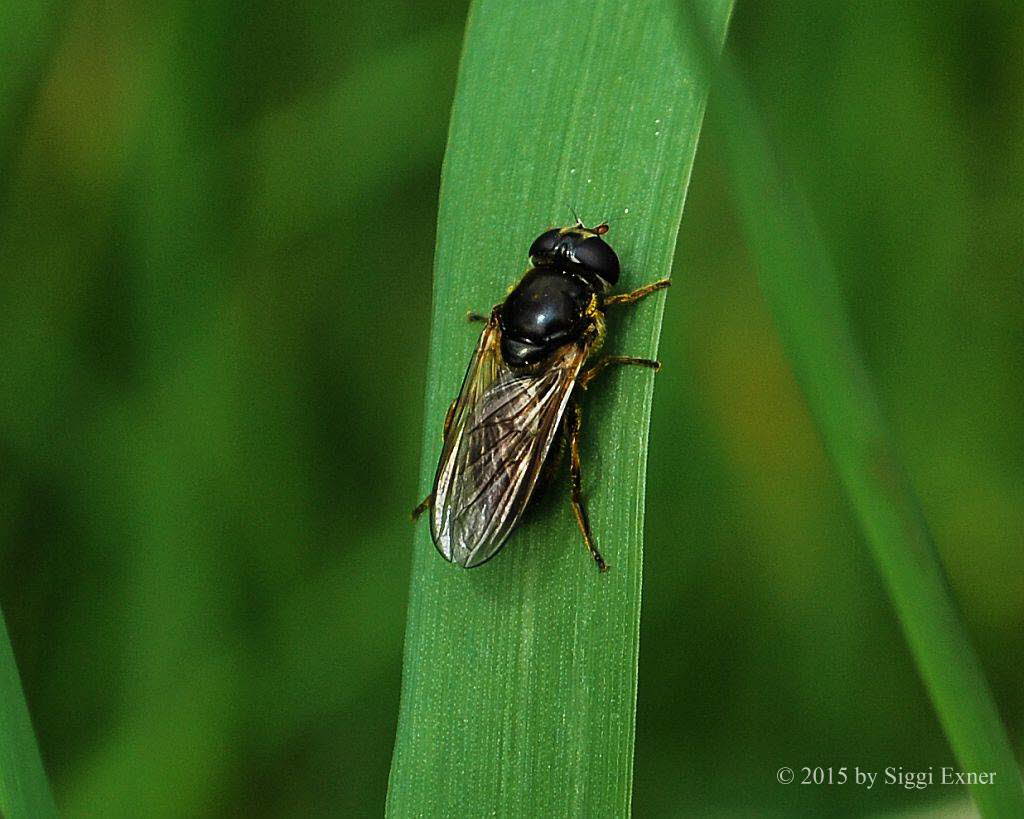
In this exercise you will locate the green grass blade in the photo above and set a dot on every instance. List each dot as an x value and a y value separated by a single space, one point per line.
24 791
519 681
799 282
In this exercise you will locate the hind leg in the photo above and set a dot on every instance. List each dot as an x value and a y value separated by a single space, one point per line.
425 503
572 431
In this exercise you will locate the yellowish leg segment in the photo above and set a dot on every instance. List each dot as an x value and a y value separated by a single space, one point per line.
614 361
636 295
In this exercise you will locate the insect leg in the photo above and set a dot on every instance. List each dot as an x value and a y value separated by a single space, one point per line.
572 424
615 360
448 419
472 315
636 295
425 504
423 507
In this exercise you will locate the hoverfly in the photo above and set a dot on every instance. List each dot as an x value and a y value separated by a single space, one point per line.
519 395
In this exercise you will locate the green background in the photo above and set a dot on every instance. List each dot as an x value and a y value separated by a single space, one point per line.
216 235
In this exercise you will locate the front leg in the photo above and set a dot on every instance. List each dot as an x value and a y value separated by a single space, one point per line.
473 316
636 295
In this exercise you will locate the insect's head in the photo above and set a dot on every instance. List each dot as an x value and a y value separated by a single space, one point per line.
578 249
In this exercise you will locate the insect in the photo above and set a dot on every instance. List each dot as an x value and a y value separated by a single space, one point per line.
520 395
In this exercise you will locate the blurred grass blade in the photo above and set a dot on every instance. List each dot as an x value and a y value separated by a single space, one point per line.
23 788
28 36
799 283
519 682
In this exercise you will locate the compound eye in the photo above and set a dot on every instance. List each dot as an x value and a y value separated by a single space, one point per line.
596 256
544 245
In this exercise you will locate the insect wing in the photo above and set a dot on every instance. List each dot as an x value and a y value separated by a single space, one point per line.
484 369
500 434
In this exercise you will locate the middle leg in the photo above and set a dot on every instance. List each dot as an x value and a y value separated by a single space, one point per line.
614 361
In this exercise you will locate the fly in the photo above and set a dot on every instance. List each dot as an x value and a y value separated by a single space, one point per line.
520 394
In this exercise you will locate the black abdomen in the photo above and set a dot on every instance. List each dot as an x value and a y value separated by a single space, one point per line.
546 309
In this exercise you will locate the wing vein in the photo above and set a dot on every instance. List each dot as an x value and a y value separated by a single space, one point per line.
503 426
